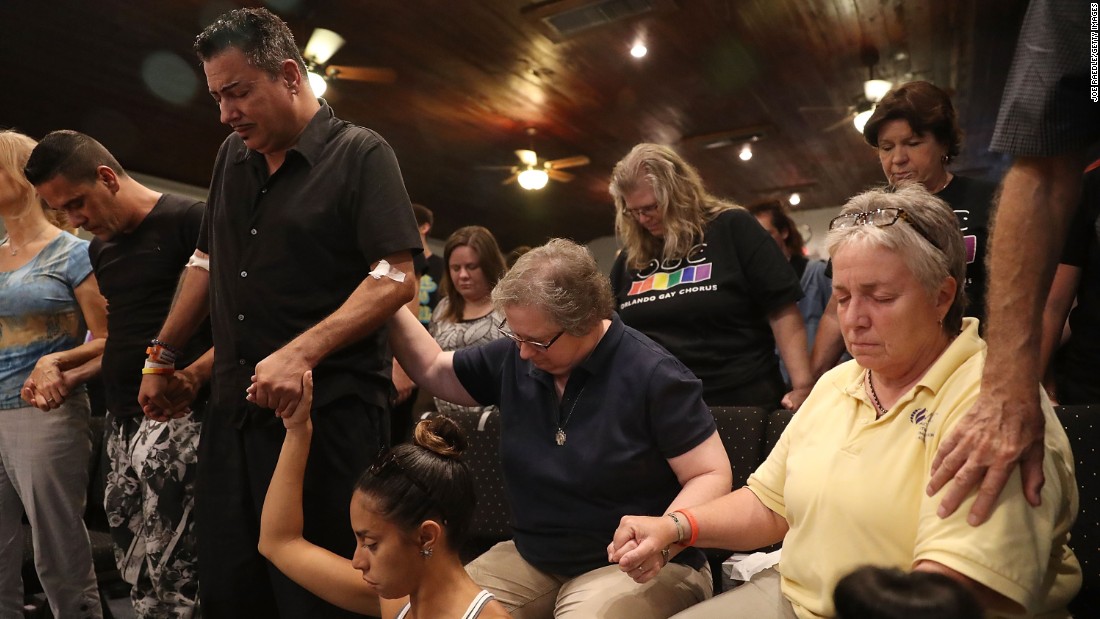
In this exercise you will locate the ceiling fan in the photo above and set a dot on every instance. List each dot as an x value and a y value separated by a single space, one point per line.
859 112
533 173
323 43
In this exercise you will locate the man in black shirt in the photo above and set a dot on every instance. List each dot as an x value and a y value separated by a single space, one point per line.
310 236
143 240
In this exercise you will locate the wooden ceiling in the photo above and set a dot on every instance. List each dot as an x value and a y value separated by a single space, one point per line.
474 75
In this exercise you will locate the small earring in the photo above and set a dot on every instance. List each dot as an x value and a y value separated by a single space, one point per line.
426 552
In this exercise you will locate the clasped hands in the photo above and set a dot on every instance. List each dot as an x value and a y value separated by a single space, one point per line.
639 546
167 396
47 386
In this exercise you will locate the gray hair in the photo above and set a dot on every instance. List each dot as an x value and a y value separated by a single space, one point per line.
562 279
941 254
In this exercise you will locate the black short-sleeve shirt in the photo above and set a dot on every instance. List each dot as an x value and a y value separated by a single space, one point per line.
287 249
711 308
626 410
138 273
1080 356
972 201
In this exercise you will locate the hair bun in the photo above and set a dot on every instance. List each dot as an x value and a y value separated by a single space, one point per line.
441 436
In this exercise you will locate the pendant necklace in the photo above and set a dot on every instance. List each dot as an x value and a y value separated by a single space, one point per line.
15 250
559 436
874 396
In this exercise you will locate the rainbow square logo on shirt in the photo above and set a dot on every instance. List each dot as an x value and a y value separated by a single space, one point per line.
663 281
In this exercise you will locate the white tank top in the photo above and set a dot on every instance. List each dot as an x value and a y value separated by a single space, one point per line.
480 600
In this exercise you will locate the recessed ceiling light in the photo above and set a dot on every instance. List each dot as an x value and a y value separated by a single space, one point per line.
639 50
794 199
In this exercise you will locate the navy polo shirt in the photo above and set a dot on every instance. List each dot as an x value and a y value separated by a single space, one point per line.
627 409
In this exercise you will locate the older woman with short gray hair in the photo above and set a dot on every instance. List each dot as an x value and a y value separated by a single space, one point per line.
565 282
597 421
845 485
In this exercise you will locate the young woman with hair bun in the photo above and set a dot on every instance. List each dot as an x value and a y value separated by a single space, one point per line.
410 512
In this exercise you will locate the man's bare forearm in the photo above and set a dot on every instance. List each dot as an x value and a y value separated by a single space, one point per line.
368 307
1038 199
189 307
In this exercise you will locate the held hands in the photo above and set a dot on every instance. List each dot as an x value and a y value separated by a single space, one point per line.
637 545
277 383
299 417
47 386
164 397
997 433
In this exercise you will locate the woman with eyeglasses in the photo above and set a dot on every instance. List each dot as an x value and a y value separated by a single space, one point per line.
410 512
915 131
703 279
845 484
465 316
597 421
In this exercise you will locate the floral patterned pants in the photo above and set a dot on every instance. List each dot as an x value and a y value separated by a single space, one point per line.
149 501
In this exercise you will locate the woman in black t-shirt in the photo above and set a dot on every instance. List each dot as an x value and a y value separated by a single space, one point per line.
701 277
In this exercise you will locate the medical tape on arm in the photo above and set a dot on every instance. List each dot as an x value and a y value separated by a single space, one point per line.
200 263
385 270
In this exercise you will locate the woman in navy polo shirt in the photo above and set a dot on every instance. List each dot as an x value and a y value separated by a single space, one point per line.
597 420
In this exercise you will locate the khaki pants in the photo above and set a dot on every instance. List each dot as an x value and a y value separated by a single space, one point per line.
607 592
760 598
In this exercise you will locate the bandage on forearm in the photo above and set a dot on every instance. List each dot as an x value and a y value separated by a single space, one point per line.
384 269
199 262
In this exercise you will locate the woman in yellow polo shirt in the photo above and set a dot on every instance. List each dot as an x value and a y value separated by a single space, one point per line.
845 484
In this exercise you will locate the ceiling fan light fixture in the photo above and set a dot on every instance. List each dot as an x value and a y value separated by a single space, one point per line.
860 121
875 90
746 153
639 50
532 179
317 82
323 43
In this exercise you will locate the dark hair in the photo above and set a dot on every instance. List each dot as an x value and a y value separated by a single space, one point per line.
423 215
263 38
489 258
782 221
425 479
70 154
925 107
889 593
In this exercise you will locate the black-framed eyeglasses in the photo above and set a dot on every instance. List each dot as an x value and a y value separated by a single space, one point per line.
880 218
389 460
502 327
637 213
